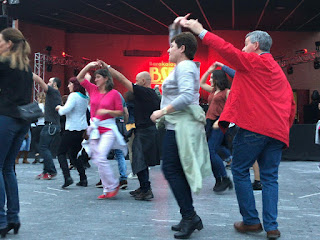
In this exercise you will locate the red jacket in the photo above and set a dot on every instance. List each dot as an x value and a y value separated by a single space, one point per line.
261 99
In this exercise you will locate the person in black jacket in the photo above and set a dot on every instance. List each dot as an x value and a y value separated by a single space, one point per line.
15 90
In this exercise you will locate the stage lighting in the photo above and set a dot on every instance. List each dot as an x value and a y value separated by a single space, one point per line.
289 69
316 63
302 51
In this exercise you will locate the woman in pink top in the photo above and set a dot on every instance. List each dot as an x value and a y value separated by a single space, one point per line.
105 104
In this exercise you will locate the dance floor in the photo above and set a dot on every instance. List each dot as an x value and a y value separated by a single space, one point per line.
49 212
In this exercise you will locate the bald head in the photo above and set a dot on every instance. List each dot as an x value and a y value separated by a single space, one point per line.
143 79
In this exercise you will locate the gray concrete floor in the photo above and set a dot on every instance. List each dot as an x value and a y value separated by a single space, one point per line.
49 212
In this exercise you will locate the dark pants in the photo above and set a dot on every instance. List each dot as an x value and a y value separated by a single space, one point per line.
35 137
174 174
143 177
49 131
71 143
12 133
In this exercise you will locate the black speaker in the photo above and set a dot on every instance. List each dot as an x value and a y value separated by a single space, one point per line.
3 22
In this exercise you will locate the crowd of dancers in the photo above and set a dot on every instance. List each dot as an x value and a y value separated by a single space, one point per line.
258 110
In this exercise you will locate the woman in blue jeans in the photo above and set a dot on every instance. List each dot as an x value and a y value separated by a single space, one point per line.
219 91
15 90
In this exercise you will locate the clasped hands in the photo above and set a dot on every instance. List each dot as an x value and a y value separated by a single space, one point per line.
192 24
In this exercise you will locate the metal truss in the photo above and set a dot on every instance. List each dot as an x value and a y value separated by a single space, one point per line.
42 60
299 59
39 69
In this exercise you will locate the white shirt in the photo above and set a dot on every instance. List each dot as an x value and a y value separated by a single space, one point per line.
75 110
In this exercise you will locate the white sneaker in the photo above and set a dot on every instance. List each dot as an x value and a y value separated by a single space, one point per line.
132 176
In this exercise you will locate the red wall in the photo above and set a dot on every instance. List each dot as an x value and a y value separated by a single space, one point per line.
110 48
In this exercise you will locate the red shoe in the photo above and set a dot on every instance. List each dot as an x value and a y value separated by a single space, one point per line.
102 196
40 176
113 193
48 176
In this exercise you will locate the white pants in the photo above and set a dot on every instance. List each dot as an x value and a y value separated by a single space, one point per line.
100 149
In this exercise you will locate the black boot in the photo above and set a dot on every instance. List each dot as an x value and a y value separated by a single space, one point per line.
188 226
218 183
67 182
83 183
225 183
177 227
14 226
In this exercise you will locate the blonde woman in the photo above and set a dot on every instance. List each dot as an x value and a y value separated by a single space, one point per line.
16 90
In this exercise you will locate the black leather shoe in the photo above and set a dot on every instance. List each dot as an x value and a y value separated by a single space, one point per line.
67 182
83 183
14 226
135 192
177 227
144 196
188 226
225 183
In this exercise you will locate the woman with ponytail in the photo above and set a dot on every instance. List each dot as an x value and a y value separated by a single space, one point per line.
15 90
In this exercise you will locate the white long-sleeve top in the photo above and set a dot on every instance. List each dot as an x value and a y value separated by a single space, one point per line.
75 110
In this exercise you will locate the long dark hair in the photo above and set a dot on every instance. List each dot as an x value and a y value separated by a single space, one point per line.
220 79
76 86
104 72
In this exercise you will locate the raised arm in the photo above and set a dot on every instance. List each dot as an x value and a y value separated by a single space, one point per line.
205 76
40 81
240 60
82 73
117 75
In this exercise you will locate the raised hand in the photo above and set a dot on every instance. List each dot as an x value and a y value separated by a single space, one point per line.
193 25
181 20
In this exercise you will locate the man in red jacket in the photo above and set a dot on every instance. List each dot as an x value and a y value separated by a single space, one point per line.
261 103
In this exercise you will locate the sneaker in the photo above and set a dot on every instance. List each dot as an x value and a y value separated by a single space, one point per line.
132 176
144 196
48 176
135 192
123 184
40 176
99 184
256 185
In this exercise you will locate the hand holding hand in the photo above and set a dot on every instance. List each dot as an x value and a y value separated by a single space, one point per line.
156 115
92 64
218 64
58 107
180 20
102 64
193 25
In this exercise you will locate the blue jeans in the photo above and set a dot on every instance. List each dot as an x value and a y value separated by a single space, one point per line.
173 171
121 164
214 144
48 132
248 147
12 133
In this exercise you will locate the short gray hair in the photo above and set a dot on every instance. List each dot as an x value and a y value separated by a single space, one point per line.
263 38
